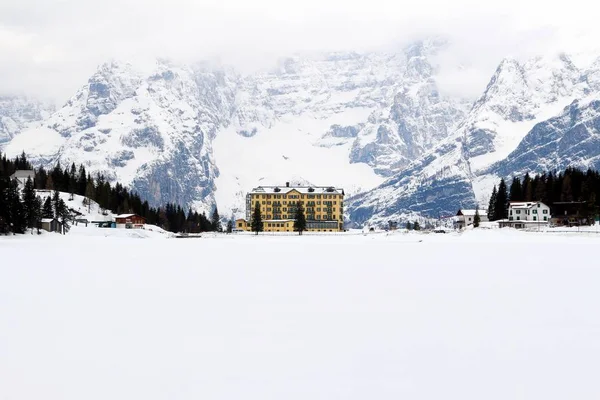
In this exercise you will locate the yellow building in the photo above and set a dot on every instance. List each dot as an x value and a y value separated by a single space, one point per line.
323 207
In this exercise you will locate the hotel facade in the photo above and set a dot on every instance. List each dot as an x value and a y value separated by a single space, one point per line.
323 208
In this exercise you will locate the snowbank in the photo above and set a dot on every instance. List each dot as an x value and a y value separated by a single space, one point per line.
486 314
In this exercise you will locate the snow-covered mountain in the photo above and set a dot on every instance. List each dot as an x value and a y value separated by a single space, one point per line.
376 124
196 135
571 139
459 173
17 112
151 132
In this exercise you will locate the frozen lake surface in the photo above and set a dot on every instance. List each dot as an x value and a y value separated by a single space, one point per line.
482 315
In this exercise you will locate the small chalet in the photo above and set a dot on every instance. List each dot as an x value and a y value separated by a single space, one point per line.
130 221
465 218
52 225
21 175
525 214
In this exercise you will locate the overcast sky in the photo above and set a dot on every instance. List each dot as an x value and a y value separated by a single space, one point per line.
50 47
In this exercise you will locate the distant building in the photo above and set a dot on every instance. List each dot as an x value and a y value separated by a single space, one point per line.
323 207
465 218
22 175
523 214
240 225
130 221
52 225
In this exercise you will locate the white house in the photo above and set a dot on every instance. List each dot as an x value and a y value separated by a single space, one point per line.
522 214
465 218
21 175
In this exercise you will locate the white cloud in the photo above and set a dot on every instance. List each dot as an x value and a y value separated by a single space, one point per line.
50 47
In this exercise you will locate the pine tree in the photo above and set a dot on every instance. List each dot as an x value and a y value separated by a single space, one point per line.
90 193
56 203
4 182
63 215
299 220
47 210
215 221
416 226
476 219
409 226
256 223
16 214
81 181
37 217
492 204
49 182
230 226
566 189
501 208
540 193
516 190
527 188
29 204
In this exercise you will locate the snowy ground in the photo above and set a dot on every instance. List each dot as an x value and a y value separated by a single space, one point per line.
488 314
91 212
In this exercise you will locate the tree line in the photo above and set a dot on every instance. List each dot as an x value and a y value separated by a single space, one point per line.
19 211
572 185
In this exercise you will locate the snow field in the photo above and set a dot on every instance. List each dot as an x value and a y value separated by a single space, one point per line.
488 314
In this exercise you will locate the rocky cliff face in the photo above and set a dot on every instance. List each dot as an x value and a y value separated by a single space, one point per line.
518 96
375 123
152 133
155 132
571 139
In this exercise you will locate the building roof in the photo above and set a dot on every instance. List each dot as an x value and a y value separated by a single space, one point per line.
127 216
23 173
301 189
524 204
47 220
468 213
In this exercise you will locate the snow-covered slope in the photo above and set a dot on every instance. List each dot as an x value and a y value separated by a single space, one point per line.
571 139
16 113
195 134
374 123
80 206
151 132
457 173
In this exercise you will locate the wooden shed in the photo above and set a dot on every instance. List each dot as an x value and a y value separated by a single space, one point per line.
52 225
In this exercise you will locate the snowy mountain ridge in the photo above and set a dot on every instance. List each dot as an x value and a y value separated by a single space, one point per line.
375 123
195 135
519 98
